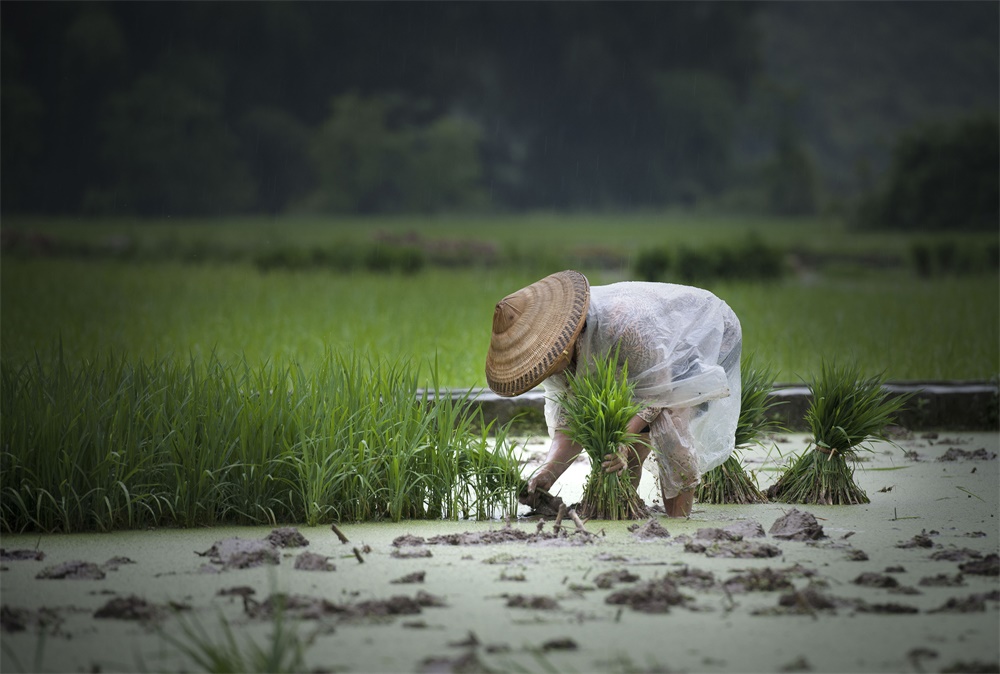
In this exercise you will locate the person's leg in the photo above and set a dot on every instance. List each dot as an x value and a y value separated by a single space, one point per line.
680 505
679 457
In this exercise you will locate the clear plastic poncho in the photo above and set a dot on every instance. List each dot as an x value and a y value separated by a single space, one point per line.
682 345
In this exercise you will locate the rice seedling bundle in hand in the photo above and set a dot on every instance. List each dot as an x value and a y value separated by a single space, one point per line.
729 482
598 407
846 413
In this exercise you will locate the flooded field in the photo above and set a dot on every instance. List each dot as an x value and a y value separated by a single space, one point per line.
908 583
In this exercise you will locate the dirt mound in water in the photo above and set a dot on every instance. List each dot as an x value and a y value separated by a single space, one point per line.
796 525
989 566
287 537
760 580
956 454
21 555
241 553
74 570
649 530
735 549
310 561
655 596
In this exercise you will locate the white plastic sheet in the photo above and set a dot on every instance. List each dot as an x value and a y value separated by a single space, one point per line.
682 346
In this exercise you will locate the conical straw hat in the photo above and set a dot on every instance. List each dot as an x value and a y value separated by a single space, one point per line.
534 330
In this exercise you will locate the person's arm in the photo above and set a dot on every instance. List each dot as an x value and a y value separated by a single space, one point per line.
562 452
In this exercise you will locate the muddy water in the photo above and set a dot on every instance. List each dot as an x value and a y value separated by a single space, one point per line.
901 584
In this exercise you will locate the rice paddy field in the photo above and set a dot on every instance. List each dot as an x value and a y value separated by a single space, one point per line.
848 295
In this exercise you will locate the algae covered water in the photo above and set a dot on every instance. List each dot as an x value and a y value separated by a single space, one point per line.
908 582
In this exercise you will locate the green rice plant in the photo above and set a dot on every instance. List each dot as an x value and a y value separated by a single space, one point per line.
127 444
846 413
729 482
598 407
283 651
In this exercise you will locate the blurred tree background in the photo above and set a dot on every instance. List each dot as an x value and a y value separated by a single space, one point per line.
158 108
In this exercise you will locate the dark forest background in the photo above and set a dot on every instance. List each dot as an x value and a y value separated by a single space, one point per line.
223 108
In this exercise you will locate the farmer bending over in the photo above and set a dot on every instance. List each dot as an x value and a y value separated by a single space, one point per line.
682 346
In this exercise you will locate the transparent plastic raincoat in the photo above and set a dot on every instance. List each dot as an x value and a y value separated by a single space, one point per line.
682 345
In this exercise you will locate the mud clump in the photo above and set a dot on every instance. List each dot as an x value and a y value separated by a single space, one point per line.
921 540
806 601
734 549
539 602
956 454
115 562
74 570
415 577
608 579
295 605
956 555
287 537
408 540
942 580
655 596
974 603
396 605
796 525
505 535
130 608
21 555
693 578
759 580
310 561
746 529
988 566
714 534
890 608
240 553
649 530
875 580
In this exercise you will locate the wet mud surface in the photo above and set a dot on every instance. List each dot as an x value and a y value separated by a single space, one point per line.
733 589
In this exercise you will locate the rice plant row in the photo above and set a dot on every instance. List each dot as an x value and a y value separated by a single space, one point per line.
118 443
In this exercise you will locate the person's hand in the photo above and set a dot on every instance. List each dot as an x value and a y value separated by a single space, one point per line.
542 479
617 461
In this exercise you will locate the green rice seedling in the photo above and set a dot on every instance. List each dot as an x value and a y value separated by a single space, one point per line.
729 482
847 412
127 444
598 407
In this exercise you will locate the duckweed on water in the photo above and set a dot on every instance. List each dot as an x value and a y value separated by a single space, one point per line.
121 443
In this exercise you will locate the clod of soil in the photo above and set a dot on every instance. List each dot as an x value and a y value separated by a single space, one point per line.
693 578
237 591
870 579
807 600
310 561
75 570
889 608
560 644
505 535
942 580
539 602
856 555
415 577
714 534
21 555
974 603
287 537
655 596
796 525
607 580
746 529
989 566
651 529
956 555
467 663
294 605
735 549
113 563
417 553
396 605
239 553
759 580
129 608
956 454
408 540
921 540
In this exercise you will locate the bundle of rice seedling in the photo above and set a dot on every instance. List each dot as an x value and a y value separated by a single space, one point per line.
729 482
598 407
846 414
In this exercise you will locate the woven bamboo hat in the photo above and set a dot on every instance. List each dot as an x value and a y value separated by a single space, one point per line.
534 330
